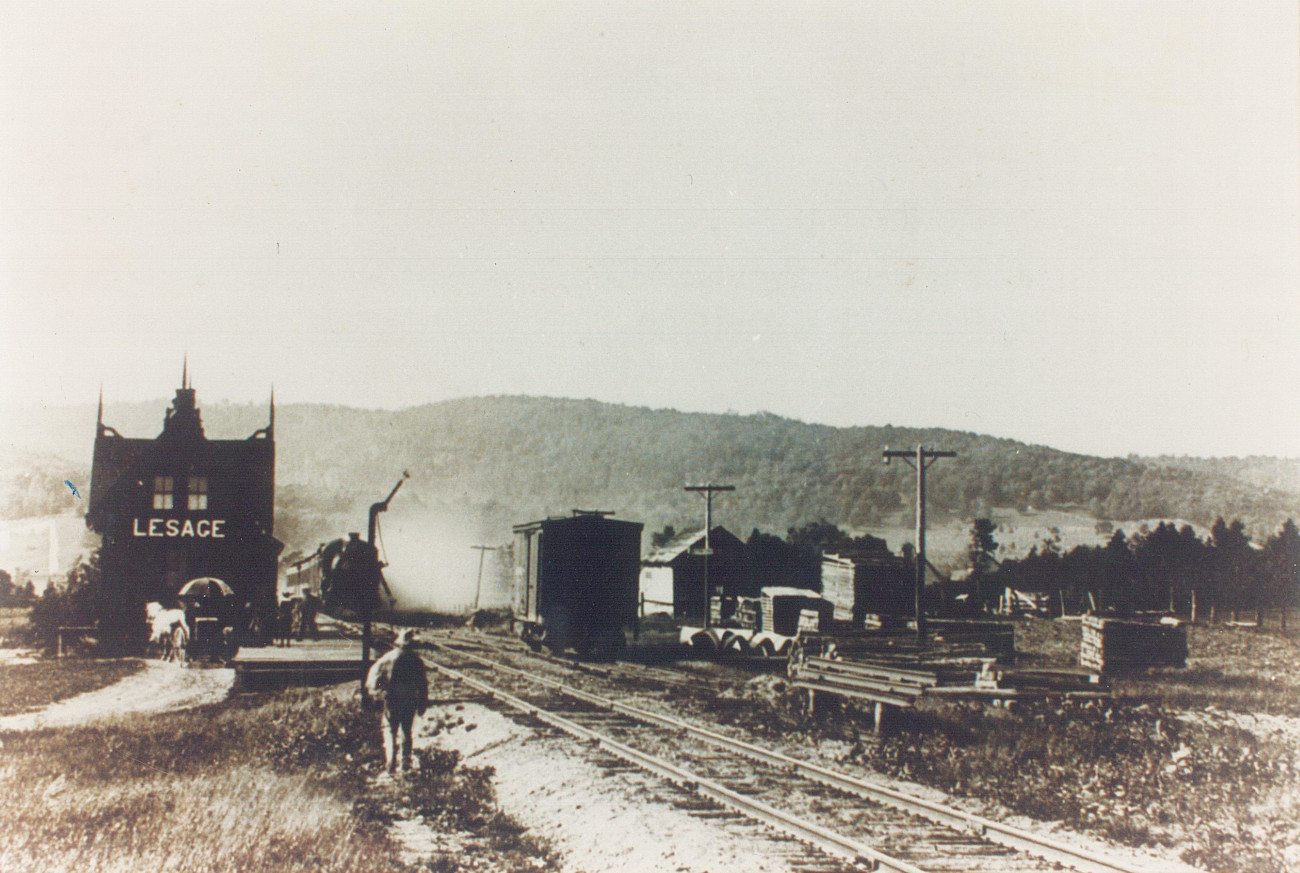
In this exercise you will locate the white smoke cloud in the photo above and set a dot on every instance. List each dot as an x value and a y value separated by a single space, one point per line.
431 565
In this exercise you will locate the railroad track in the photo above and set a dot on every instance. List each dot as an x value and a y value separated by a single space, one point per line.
620 670
821 807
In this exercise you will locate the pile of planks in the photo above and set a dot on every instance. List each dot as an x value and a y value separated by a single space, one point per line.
885 685
1111 645
997 637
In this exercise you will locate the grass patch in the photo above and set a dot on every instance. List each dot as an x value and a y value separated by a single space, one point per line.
1136 775
1174 760
1233 669
29 687
13 621
262 782
1144 769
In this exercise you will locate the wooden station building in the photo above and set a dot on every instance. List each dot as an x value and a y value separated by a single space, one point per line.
180 507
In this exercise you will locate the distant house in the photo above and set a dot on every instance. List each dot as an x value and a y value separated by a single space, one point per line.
867 583
672 575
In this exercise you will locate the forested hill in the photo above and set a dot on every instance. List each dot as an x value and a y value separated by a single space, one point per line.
509 459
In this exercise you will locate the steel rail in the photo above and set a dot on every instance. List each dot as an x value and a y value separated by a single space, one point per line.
823 838
994 831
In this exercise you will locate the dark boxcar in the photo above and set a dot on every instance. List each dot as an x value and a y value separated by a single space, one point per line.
576 582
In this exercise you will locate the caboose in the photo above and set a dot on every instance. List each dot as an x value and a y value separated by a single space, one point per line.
182 507
576 582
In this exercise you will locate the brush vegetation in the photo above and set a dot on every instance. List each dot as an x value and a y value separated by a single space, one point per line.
1179 758
260 783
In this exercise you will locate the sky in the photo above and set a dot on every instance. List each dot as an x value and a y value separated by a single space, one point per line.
1068 223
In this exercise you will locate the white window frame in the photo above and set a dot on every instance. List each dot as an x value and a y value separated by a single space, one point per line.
197 495
164 492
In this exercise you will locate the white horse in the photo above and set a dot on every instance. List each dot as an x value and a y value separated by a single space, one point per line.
167 631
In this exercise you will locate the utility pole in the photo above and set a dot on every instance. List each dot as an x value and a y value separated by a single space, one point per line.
919 459
482 553
708 490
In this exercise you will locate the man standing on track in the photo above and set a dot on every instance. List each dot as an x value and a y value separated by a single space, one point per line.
399 683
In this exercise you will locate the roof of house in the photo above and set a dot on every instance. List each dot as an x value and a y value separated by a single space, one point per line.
682 543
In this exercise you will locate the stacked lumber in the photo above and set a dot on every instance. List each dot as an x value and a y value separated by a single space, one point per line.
1111 645
997 637
782 606
884 685
838 581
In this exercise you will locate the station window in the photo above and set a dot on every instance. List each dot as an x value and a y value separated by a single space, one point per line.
198 492
164 491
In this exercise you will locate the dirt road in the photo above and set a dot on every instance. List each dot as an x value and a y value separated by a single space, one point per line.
161 687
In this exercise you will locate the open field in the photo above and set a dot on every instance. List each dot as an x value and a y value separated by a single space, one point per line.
1017 532
32 686
33 547
281 782
1205 760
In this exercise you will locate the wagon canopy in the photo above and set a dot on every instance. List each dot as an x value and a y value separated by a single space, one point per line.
205 586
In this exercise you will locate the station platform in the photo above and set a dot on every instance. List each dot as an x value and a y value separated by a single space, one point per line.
325 661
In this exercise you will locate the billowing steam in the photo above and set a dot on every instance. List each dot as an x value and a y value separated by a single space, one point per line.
432 564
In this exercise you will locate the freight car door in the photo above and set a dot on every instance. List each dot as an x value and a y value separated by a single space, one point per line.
525 603
534 574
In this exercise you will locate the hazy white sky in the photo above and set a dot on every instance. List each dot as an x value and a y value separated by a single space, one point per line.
1067 223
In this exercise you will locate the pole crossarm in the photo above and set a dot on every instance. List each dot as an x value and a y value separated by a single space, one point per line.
707 490
919 459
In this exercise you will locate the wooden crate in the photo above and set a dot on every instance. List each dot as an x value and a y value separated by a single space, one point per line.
1113 645
781 608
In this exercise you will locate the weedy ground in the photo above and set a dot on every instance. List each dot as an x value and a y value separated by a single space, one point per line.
32 686
12 620
265 782
1179 758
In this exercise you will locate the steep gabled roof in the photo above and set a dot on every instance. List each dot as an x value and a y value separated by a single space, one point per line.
682 543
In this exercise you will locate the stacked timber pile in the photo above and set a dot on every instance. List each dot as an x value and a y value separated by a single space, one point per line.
998 637
782 606
838 585
1111 645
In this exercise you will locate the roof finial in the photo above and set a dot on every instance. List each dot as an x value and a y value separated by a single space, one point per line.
185 371
270 427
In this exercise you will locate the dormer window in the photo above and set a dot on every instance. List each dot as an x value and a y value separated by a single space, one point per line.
164 492
198 493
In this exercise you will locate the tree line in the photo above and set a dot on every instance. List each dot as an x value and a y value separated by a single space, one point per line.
1167 569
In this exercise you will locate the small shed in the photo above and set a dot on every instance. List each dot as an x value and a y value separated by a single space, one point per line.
871 583
675 572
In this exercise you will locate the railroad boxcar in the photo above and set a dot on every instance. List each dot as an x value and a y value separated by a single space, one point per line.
576 582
